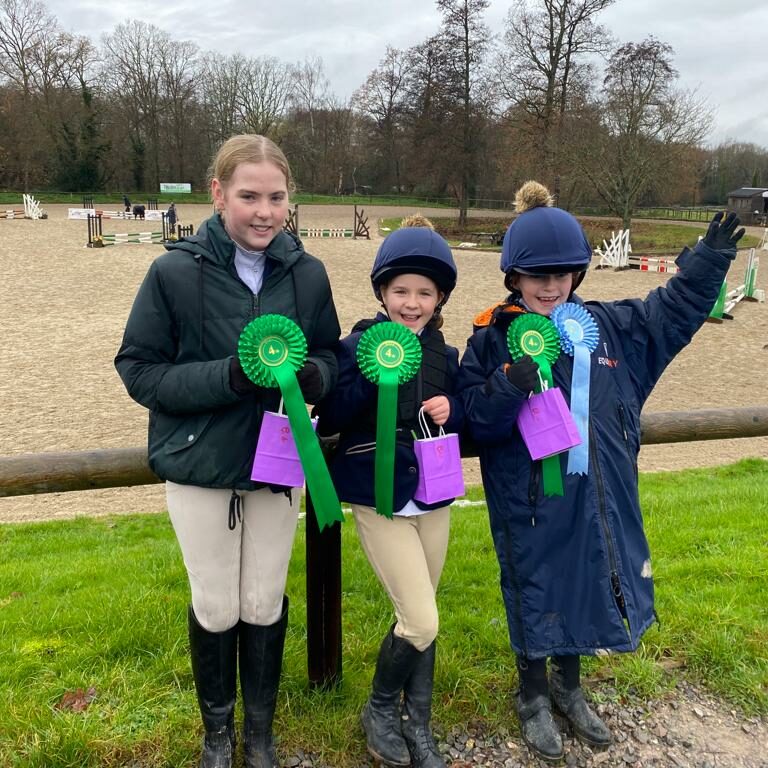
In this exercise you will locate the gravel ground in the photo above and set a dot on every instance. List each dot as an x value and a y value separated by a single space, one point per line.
688 729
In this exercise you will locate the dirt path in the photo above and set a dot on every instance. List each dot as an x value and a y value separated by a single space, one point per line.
63 307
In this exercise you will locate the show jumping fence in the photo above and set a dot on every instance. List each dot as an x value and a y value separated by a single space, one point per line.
359 228
113 468
727 300
31 210
97 238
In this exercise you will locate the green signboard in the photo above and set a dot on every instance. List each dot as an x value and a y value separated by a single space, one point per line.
175 187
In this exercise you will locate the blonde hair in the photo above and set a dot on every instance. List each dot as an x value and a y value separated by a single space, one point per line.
247 148
417 220
532 195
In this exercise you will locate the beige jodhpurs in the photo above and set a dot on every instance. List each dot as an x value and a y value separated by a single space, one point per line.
238 574
407 554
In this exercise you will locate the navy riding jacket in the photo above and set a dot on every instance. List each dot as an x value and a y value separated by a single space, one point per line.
576 573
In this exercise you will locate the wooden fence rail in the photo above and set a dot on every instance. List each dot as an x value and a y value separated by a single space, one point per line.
117 467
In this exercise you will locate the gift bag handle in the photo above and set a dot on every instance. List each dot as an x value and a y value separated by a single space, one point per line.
542 381
425 431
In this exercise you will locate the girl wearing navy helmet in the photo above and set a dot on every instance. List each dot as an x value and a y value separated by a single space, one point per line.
576 574
412 276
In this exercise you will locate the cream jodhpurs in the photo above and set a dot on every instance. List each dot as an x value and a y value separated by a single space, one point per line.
237 574
407 554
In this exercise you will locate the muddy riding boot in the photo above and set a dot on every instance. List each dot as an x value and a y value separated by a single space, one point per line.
534 709
569 701
214 668
261 661
418 711
381 714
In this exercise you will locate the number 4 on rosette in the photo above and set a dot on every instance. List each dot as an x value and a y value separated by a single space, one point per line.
271 349
388 354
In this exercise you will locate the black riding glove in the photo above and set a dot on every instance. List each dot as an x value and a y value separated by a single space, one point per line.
524 374
721 236
238 381
311 382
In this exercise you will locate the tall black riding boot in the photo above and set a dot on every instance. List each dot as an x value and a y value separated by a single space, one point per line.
569 700
535 710
381 714
261 661
214 667
418 710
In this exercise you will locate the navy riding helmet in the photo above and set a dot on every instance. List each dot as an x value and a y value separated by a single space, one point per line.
414 250
545 240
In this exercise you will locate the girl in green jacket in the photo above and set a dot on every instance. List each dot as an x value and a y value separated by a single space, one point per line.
178 359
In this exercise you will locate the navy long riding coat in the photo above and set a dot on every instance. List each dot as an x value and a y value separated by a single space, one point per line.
576 573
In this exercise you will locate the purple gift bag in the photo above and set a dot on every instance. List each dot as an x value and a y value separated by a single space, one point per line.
546 424
439 460
277 461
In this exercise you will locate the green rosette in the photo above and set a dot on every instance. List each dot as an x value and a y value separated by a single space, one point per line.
388 354
537 336
271 349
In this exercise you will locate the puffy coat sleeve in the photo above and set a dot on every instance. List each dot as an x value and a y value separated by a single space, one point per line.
146 359
491 403
325 334
455 421
352 395
654 330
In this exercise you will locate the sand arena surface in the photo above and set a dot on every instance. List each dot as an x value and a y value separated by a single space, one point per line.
63 308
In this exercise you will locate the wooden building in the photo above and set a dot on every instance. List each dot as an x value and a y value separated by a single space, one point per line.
751 204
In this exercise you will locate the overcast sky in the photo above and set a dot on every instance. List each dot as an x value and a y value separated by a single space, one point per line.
720 50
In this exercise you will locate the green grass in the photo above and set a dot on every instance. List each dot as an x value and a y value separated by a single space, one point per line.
102 603
646 237
75 199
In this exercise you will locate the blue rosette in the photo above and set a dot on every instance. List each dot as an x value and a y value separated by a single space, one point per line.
579 337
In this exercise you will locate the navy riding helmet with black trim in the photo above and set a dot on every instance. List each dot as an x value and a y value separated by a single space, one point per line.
415 250
545 241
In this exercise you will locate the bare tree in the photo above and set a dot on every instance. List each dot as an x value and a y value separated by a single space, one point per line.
178 83
133 72
381 100
647 125
542 60
221 83
464 38
24 25
310 88
263 95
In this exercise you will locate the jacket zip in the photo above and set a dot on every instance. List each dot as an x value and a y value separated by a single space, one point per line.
623 420
533 489
618 595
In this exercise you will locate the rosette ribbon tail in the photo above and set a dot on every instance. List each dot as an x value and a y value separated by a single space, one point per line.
318 479
386 425
551 472
578 456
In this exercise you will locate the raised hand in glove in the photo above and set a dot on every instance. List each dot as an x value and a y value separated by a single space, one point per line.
524 374
238 381
721 235
311 382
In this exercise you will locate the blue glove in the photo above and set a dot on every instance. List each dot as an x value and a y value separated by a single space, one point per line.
721 236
